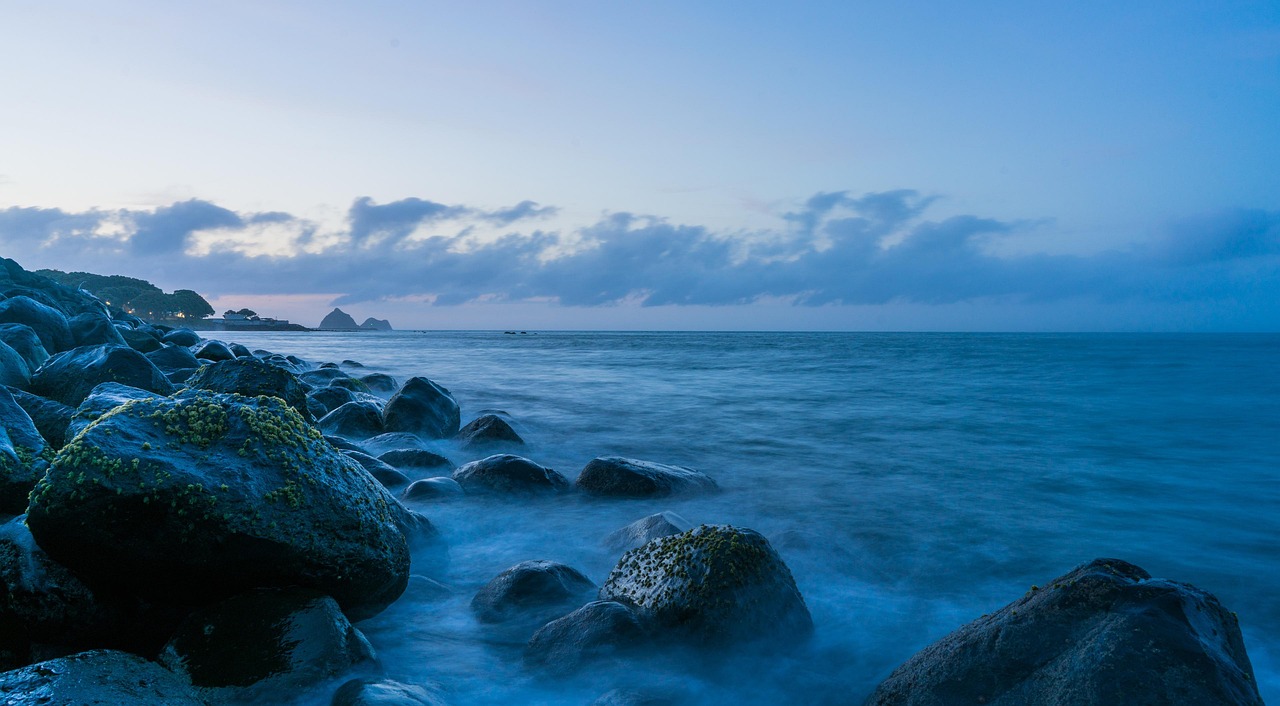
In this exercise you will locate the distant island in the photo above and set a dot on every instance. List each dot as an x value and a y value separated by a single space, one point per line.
339 320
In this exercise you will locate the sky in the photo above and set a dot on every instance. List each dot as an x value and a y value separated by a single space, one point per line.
659 165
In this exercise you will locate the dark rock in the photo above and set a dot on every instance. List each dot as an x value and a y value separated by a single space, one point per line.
357 420
532 590
373 324
251 377
173 358
180 376
714 584
432 488
102 677
69 377
140 341
328 366
384 692
338 320
93 328
597 631
415 459
24 455
203 496
488 430
322 377
385 473
636 697
614 476
324 400
422 407
1105 633
643 531
352 363
50 416
505 473
182 337
265 642
351 384
14 371
103 399
213 351
23 340
48 323
342 444
417 529
239 350
395 440
380 384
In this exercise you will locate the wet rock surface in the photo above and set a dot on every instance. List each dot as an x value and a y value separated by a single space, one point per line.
251 377
645 530
24 455
423 407
615 476
598 631
508 474
530 590
384 692
69 377
97 677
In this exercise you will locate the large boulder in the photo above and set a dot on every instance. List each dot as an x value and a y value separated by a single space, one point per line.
50 416
139 340
202 496
97 677
645 530
380 384
599 630
422 407
615 476
182 337
103 399
94 328
172 358
14 371
715 584
433 489
48 323
322 377
251 377
324 400
505 473
265 643
355 420
23 339
488 430
384 692
69 377
24 455
213 351
1105 633
531 590
384 472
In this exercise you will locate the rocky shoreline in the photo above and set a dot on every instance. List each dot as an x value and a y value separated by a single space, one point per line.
186 520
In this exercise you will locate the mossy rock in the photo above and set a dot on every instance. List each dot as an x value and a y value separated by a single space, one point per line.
24 455
69 377
251 377
198 497
715 584
103 399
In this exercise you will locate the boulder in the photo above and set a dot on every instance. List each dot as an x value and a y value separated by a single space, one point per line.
140 341
354 385
322 377
385 474
352 363
239 350
251 377
24 455
714 584
23 340
48 323
382 443
422 407
1104 633
384 692
173 358
614 476
505 473
103 399
213 351
202 496
488 430
69 377
180 376
182 337
416 459
324 400
342 444
14 371
265 642
597 631
643 531
432 488
531 590
380 384
50 417
97 677
94 328
357 420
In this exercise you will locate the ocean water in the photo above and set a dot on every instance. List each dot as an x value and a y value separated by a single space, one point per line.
912 482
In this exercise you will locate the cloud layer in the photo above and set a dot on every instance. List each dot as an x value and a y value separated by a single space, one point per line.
836 248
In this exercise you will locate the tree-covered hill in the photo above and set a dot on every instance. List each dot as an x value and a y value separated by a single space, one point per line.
136 296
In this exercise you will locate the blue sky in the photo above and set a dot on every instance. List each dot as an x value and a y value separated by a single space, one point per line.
901 165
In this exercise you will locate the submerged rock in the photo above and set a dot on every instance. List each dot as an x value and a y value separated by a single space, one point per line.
600 630
487 430
69 377
505 473
97 677
416 459
422 407
356 420
616 476
384 692
1105 633
432 488
531 590
200 497
714 584
643 531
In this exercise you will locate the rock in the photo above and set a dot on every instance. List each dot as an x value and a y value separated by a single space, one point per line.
24 455
597 631
714 584
182 337
352 363
173 358
179 377
385 474
531 590
488 430
432 488
14 371
614 476
384 692
239 350
352 384
643 531
416 459
322 377
50 417
69 377
265 642
213 351
93 328
48 323
342 444
395 440
380 384
97 677
505 473
328 365
251 377
140 341
636 697
373 324
357 420
202 496
103 399
24 341
422 407
1105 633
417 529
324 400
338 320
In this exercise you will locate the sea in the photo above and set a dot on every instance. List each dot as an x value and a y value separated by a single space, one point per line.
911 481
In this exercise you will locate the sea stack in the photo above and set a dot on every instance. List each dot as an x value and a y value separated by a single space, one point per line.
338 320
375 324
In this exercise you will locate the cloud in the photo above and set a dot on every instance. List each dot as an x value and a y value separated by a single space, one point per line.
835 249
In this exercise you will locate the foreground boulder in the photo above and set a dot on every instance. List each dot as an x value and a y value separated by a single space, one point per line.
93 328
531 590
69 377
203 496
615 476
597 631
1105 633
714 584
23 340
354 420
48 323
422 407
24 455
97 677
103 399
14 371
251 377
505 473
50 416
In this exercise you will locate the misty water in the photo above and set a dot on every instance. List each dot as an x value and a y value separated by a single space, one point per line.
912 482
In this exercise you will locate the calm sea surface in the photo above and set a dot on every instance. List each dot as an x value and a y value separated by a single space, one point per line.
912 482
